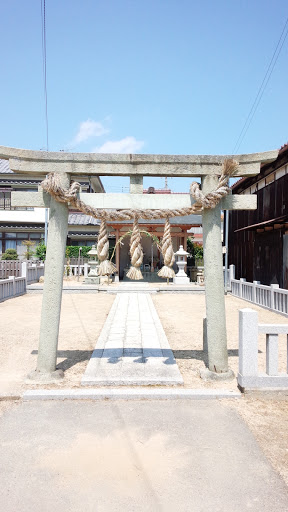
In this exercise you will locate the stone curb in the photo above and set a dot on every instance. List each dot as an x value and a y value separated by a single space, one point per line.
129 394
9 397
111 290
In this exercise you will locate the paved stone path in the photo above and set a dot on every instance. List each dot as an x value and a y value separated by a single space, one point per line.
132 347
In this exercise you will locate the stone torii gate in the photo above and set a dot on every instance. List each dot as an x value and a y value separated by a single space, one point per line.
135 166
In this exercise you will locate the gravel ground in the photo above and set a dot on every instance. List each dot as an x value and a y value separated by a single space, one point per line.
182 319
82 318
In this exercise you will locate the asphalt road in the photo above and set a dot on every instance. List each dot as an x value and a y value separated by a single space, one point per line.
133 455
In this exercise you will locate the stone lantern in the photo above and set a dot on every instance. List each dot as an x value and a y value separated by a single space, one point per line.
181 261
93 277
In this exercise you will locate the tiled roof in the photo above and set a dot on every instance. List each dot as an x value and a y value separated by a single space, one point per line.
4 167
242 180
79 219
283 148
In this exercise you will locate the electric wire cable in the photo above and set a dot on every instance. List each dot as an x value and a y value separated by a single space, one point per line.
262 87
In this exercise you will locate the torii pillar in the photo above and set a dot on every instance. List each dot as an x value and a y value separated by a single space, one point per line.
216 335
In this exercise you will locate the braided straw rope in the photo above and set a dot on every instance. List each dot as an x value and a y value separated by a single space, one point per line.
106 267
136 253
51 184
168 253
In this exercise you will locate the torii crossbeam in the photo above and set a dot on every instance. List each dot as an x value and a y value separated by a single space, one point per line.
136 166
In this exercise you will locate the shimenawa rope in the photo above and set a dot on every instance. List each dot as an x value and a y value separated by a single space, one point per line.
52 185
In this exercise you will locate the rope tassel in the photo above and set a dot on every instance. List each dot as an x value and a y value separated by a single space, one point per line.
106 267
168 253
136 253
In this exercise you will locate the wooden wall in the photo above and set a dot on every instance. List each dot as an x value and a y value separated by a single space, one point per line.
258 255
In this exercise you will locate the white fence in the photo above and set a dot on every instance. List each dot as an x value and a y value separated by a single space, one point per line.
270 297
12 287
32 272
10 268
249 376
76 270
15 286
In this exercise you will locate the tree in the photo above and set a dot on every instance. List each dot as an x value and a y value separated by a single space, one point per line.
41 251
29 252
10 254
195 249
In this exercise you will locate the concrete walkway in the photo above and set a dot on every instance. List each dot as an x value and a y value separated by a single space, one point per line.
142 456
132 347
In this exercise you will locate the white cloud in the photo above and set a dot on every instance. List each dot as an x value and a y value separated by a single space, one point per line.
89 129
126 145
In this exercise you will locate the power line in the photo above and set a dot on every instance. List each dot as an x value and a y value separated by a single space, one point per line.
263 86
44 63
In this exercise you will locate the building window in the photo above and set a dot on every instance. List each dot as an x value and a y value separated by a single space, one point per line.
5 200
10 244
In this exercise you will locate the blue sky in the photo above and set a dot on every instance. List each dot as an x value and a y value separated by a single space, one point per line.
153 76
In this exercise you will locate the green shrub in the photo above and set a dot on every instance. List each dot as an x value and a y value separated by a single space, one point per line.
72 251
40 251
10 254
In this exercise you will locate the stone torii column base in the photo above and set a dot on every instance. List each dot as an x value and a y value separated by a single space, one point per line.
208 375
45 378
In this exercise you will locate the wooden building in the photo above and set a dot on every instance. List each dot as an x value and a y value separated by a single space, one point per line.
258 239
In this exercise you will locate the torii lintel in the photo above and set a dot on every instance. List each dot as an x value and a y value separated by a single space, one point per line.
102 164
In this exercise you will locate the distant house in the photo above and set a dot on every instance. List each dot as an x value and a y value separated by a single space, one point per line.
18 224
258 239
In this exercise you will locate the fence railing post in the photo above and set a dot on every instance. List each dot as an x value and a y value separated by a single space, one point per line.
12 278
254 296
242 280
272 301
248 344
231 274
24 269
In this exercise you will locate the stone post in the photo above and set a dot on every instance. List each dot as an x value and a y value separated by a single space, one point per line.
136 184
248 346
117 251
52 293
214 289
12 278
85 269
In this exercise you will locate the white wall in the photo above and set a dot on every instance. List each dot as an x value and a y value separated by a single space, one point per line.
37 215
